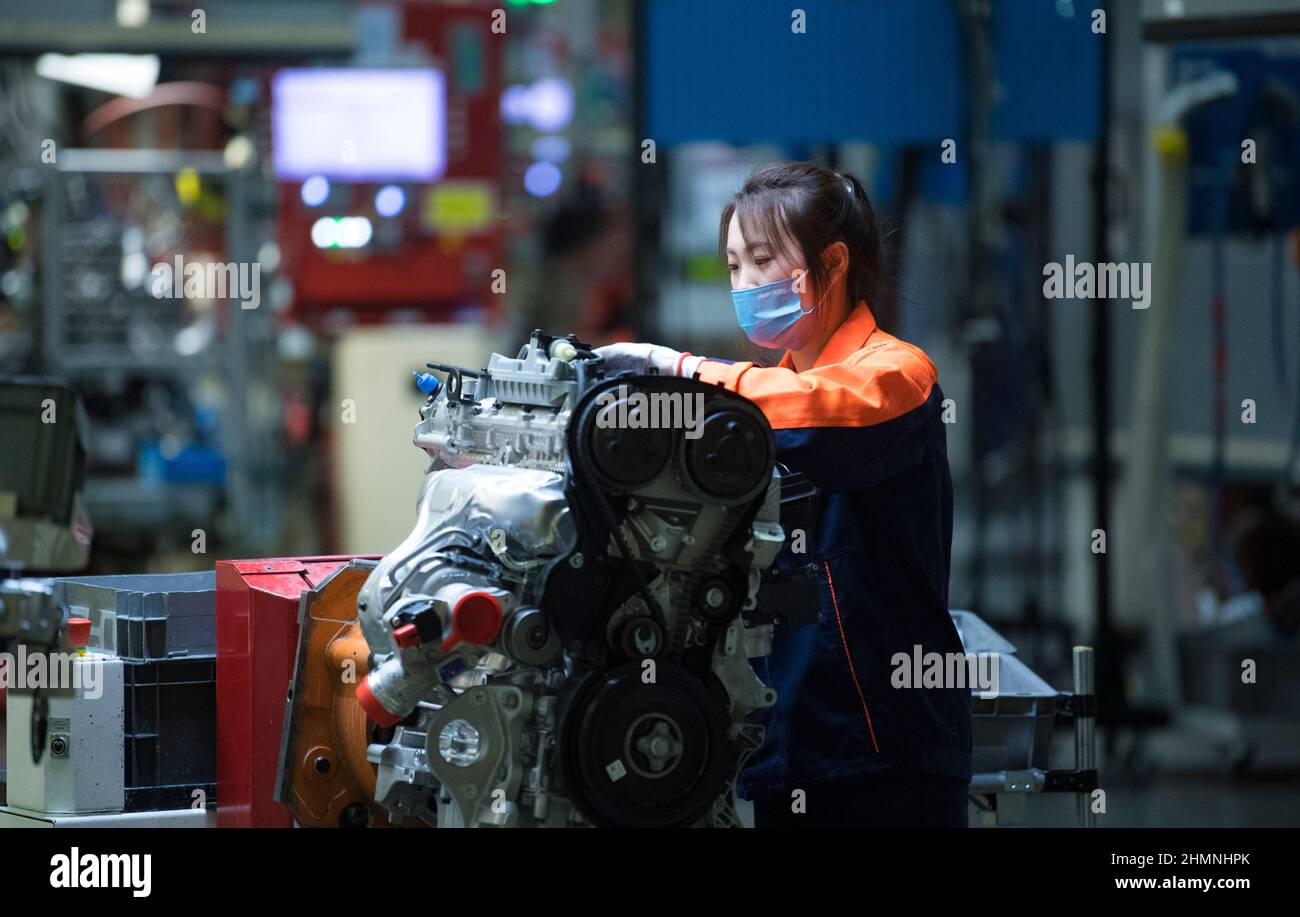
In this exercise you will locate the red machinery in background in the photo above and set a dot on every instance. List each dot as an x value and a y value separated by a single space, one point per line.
376 226
258 604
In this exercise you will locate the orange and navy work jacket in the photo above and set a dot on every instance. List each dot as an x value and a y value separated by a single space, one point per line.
865 425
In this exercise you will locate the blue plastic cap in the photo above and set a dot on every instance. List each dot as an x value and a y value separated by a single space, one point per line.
427 382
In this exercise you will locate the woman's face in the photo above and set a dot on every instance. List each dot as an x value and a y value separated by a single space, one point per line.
754 262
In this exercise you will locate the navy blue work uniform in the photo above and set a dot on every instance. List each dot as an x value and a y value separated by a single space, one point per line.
865 425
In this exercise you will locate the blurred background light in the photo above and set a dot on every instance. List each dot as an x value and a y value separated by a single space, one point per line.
550 104
551 148
341 232
546 105
361 124
542 179
389 201
133 75
514 104
132 14
315 190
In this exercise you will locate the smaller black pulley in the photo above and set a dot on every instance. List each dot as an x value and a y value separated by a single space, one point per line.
642 638
718 598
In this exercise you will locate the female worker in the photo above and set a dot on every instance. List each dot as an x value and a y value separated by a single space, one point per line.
859 413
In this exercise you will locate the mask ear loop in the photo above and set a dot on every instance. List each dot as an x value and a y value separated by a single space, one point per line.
819 302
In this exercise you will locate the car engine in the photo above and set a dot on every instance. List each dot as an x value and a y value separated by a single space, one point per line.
565 636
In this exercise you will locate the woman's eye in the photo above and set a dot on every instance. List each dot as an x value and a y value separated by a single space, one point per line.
759 262
731 267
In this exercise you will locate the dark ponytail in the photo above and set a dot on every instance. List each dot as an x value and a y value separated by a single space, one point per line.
807 207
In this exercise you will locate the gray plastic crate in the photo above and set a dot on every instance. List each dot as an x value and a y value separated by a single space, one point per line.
163 626
146 616
1013 731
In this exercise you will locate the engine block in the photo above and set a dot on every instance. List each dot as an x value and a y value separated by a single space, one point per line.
564 637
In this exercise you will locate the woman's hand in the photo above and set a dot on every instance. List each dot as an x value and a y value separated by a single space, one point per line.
642 358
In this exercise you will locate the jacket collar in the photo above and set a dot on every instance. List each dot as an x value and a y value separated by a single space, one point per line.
848 338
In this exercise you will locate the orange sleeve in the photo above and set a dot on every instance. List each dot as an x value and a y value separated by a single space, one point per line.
878 386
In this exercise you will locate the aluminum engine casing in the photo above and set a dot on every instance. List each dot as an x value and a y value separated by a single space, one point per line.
562 638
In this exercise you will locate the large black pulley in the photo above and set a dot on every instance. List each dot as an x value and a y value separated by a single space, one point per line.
624 456
638 755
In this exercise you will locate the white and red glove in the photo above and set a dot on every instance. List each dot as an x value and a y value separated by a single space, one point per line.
641 358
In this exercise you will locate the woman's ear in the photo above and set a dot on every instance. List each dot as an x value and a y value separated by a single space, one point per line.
836 260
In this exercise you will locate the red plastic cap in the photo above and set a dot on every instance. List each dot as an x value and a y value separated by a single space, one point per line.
374 709
406 635
78 632
475 619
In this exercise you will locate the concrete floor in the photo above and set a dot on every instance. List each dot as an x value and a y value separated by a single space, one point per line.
1180 778
1177 778
1183 800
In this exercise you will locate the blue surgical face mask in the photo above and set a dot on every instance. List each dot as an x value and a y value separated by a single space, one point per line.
768 313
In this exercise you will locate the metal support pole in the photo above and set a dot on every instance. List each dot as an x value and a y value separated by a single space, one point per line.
1100 368
1085 730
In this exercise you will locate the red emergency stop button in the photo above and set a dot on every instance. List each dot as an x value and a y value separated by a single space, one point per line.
78 632
475 619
